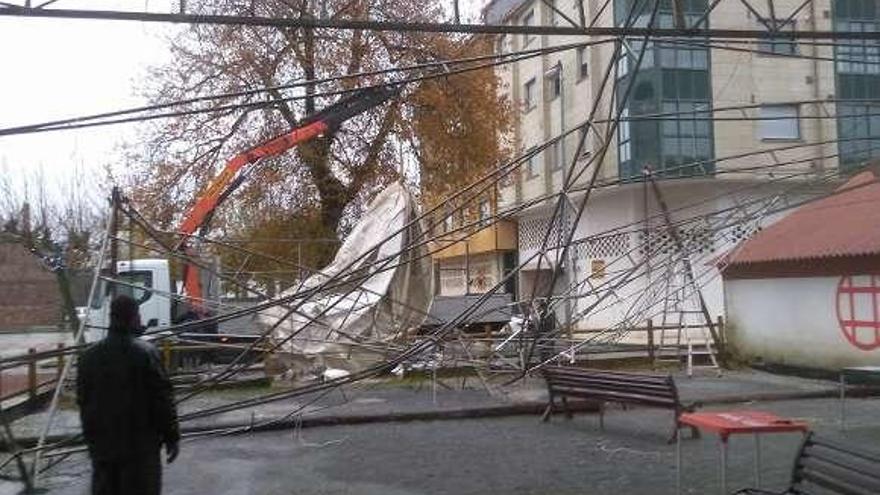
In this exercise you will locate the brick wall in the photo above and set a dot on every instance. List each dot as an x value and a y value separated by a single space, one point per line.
29 293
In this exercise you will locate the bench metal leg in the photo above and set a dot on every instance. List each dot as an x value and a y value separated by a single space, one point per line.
568 413
676 429
548 411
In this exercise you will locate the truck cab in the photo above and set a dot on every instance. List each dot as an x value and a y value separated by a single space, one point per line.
147 281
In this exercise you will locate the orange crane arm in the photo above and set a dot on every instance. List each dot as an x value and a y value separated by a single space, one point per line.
210 198
232 176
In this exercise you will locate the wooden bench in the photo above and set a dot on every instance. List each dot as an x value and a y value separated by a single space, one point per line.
824 467
612 386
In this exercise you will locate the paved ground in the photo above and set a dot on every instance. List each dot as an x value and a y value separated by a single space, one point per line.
515 455
383 398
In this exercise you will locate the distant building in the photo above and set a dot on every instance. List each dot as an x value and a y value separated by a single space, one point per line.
805 291
29 296
472 253
796 106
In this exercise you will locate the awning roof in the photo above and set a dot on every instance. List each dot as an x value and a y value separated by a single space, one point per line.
844 224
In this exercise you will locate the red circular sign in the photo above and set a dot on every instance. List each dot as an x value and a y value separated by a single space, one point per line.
858 310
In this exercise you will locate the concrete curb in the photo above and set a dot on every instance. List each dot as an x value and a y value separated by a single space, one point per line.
520 409
516 409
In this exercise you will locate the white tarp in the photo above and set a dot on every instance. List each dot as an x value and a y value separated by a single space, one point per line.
376 293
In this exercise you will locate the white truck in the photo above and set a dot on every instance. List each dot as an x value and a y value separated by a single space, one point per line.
147 281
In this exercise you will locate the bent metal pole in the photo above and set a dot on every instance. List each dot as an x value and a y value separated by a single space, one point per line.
65 371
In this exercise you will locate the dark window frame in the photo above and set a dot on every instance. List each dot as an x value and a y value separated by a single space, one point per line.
530 98
582 64
532 163
773 46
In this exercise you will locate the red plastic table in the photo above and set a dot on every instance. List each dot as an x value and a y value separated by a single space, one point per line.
726 423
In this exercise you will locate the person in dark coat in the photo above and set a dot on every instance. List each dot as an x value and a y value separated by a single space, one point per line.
126 406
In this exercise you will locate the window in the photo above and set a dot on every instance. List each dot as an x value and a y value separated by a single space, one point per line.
858 56
528 20
859 131
532 164
448 223
857 66
553 77
135 284
485 211
672 57
582 62
529 97
558 155
779 45
779 122
622 65
624 144
686 138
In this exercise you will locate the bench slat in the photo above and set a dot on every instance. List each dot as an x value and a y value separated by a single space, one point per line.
611 383
609 374
619 397
846 449
850 474
826 480
600 388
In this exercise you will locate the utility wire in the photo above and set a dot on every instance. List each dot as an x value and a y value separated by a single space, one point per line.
428 27
62 123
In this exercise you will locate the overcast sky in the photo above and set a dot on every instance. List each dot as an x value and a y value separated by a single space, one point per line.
57 68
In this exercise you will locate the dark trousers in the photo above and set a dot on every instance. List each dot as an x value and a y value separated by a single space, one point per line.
140 475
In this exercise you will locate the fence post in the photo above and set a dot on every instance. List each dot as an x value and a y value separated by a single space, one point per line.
166 354
32 374
650 329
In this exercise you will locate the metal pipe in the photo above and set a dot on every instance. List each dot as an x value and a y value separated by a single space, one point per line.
56 395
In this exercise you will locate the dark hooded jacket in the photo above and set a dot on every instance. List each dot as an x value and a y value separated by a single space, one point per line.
125 398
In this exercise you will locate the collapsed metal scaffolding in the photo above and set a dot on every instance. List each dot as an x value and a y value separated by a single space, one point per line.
648 265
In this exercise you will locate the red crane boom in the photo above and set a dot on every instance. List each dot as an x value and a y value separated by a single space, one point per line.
233 174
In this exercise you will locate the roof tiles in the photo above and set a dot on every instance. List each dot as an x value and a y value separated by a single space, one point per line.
846 223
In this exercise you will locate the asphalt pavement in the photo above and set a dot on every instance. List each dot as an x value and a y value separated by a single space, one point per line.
511 455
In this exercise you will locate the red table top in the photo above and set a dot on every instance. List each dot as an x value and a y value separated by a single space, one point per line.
727 423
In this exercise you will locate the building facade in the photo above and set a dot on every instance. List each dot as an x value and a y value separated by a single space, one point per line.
805 291
719 124
29 294
472 253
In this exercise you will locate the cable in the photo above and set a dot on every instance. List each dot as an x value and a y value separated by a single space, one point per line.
426 27
51 125
255 105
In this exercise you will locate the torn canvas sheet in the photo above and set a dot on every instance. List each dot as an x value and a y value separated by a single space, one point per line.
369 295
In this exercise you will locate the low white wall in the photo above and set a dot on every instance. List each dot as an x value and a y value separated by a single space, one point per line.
794 321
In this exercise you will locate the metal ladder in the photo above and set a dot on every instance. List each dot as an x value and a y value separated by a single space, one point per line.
681 315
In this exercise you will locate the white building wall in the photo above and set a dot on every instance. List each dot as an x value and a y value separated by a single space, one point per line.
737 78
794 321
